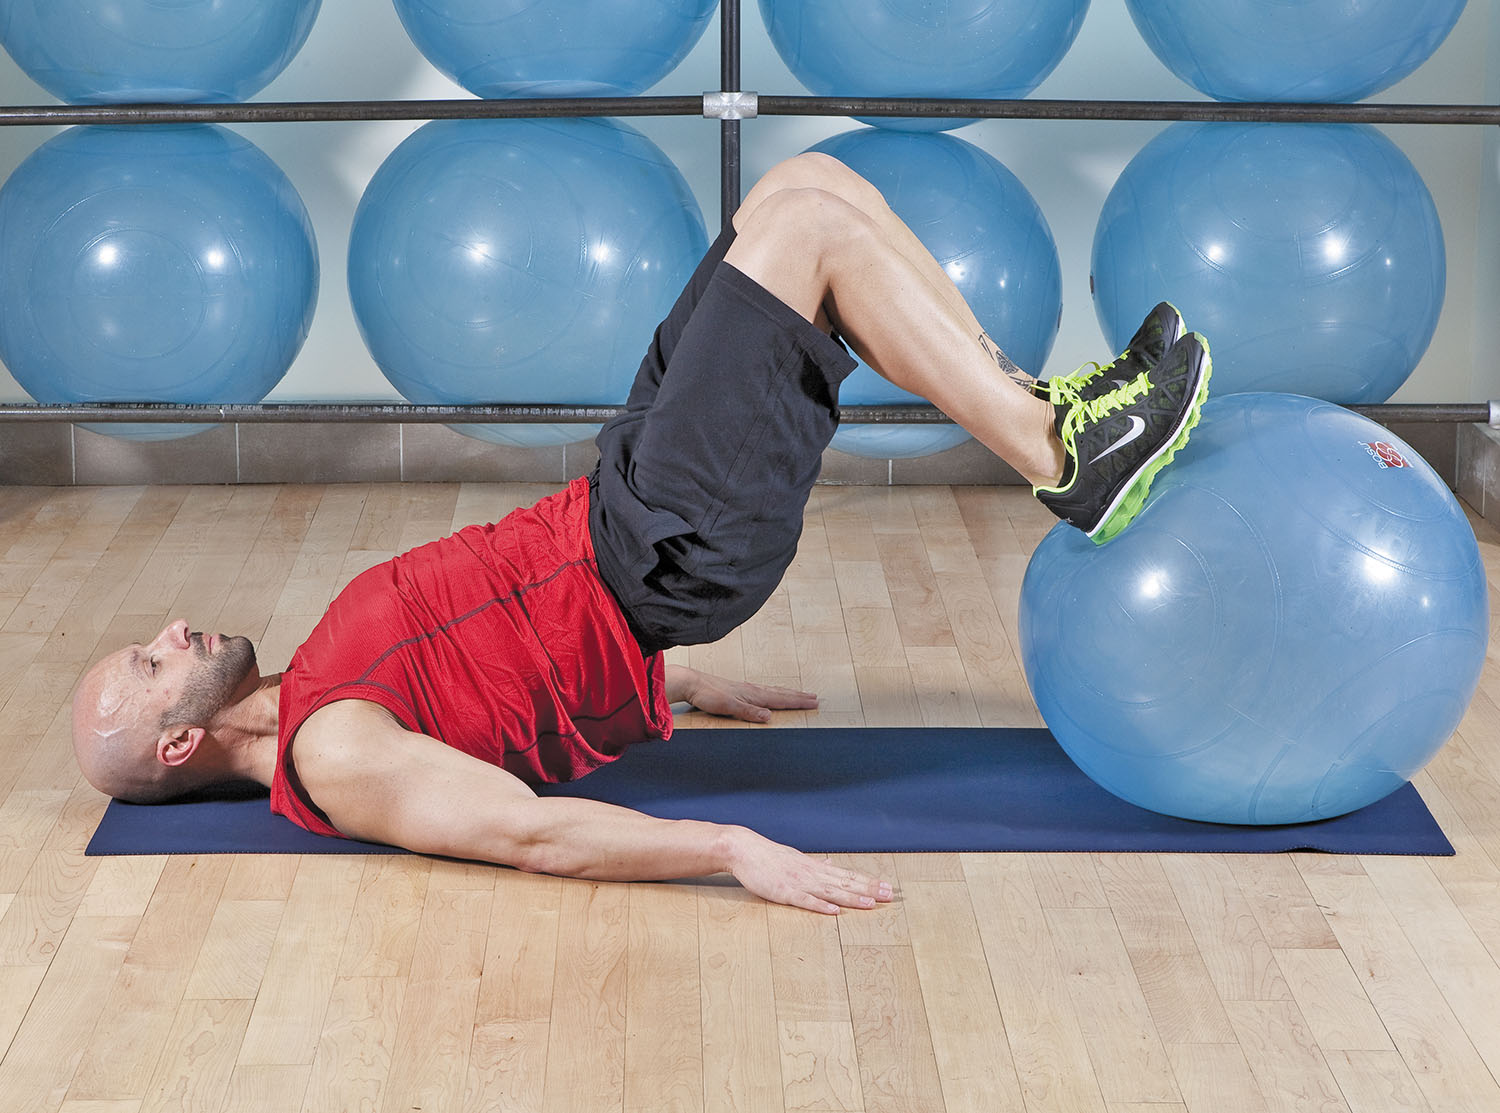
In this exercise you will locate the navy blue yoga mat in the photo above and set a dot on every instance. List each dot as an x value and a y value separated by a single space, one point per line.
847 789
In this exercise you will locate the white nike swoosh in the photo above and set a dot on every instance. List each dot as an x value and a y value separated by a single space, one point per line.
1137 427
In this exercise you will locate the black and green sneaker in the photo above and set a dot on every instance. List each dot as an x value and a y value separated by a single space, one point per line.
1161 329
1116 442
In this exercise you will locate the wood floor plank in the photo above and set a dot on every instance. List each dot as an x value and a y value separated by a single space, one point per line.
663 1002
1224 927
1288 917
1215 1078
452 934
1376 1082
741 1045
1041 1021
1332 1001
897 1066
1436 1049
1170 969
198 1059
430 1058
807 967
1455 957
18 986
1067 881
44 1054
1288 1068
942 686
353 1057
967 1030
236 949
819 1066
32 929
145 1003
122 885
914 594
266 1089
387 915
768 647
294 991
819 1062
1129 1059
520 958
586 1051
507 1066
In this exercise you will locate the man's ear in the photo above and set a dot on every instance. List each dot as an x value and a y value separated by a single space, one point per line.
176 746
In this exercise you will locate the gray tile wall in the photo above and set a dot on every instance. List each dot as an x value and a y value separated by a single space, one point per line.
54 454
48 454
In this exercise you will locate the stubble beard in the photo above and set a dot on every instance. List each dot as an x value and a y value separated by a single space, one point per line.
213 683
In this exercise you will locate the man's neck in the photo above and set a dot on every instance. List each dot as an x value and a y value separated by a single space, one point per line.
247 732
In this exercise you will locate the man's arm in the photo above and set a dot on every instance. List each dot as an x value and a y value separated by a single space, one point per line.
379 782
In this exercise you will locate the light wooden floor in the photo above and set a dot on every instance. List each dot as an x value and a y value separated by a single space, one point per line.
996 983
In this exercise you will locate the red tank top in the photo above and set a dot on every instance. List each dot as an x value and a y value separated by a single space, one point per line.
501 641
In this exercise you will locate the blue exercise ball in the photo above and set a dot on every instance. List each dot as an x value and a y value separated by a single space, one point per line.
1312 50
989 235
520 261
974 49
153 264
1311 255
1289 631
555 48
111 51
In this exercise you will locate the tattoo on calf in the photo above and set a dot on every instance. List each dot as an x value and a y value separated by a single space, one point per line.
1003 361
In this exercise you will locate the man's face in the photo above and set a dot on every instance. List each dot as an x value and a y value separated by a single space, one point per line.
222 663
179 677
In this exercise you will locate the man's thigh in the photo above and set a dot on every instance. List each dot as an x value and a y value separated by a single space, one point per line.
699 499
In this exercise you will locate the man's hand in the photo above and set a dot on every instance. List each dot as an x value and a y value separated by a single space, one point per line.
779 873
735 699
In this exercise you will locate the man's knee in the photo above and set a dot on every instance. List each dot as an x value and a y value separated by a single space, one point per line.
796 242
815 170
815 219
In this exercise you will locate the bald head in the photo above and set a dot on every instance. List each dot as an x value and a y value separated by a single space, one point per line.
142 715
112 740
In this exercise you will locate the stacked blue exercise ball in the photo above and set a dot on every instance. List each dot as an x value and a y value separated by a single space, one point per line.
1290 629
110 51
1310 255
155 264
915 48
520 261
555 48
1311 50
987 232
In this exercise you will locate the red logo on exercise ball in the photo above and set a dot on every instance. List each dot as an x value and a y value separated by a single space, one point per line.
1386 455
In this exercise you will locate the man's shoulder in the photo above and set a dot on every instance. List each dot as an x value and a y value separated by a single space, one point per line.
341 733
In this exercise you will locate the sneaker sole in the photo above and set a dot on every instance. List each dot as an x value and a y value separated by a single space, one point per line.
1132 497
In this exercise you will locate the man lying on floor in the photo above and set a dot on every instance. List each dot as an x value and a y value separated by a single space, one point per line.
443 684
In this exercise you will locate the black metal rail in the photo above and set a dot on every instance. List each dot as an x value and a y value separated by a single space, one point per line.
524 413
302 112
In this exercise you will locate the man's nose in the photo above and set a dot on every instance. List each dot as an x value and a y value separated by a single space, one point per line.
174 634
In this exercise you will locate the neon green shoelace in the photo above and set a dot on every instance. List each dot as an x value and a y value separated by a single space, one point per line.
1094 410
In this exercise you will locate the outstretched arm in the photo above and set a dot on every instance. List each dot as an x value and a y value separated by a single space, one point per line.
379 782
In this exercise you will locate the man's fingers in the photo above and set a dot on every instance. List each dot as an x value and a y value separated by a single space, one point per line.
852 889
751 712
784 698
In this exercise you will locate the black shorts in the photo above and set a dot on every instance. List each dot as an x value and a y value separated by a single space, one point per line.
697 504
